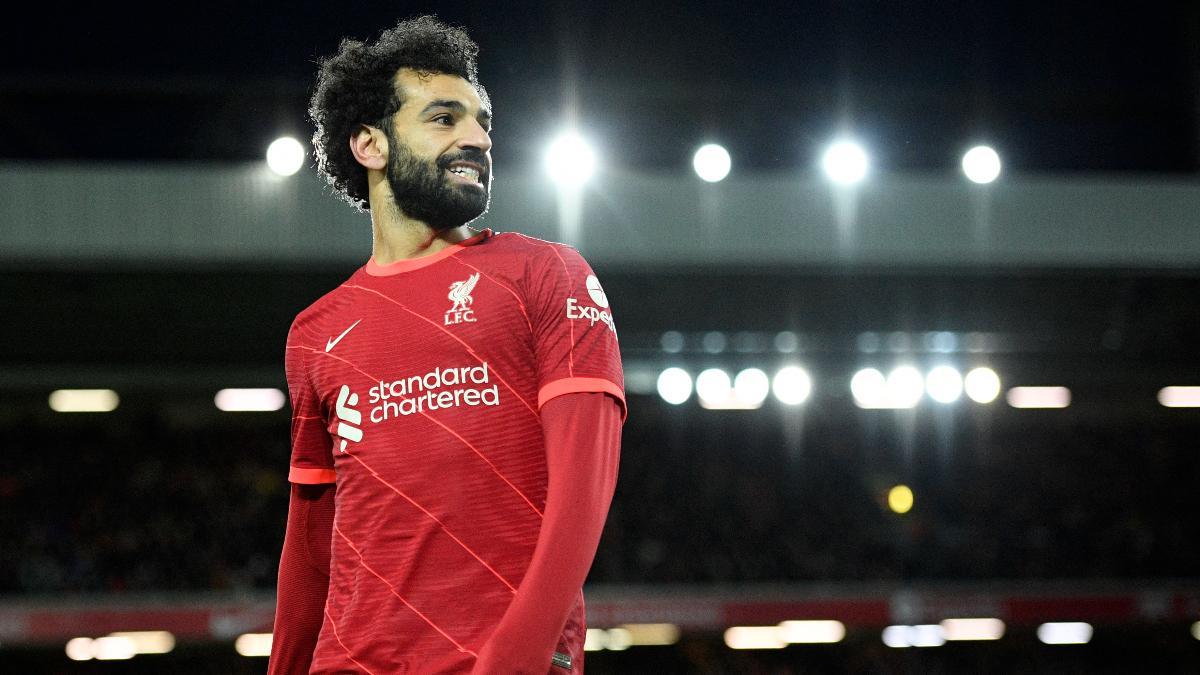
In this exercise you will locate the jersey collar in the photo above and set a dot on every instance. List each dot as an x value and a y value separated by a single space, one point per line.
408 265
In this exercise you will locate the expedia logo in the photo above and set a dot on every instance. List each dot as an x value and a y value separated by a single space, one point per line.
348 417
578 312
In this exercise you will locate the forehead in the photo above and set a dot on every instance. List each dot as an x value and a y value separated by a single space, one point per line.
417 89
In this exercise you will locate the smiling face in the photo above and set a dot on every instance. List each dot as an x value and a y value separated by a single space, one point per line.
439 163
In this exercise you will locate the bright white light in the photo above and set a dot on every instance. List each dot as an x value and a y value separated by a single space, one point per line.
253 644
619 639
751 387
981 164
711 163
944 384
845 162
896 637
595 639
905 386
249 400
83 400
973 629
1070 633
1039 397
1179 397
80 649
674 385
792 385
113 648
651 634
285 156
570 160
1196 630
713 386
754 637
812 632
927 635
982 385
869 388
148 641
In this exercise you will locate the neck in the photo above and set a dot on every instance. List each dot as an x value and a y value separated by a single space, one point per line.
398 237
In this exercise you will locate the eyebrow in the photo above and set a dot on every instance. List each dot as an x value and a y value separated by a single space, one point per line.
485 115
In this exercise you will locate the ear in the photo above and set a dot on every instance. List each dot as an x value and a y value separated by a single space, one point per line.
369 146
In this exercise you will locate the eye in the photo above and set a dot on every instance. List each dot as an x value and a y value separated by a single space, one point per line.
444 119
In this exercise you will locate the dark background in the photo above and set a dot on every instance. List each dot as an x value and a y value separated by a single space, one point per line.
140 501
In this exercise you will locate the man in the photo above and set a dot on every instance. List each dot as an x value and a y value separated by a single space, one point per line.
457 402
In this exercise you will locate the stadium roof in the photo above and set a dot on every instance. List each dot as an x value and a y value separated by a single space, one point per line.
1056 87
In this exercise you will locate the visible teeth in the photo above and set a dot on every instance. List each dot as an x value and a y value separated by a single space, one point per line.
466 172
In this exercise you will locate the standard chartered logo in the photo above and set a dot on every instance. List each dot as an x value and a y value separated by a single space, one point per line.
348 417
438 389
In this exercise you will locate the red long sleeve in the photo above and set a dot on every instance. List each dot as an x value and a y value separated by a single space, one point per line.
303 579
583 439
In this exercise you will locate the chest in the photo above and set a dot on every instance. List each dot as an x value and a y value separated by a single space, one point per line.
449 322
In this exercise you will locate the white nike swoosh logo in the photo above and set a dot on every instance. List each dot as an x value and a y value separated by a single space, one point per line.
333 341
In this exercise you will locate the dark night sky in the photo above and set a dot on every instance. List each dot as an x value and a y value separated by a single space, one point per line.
1055 86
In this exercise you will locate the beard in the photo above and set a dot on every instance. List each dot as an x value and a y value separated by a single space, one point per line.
424 192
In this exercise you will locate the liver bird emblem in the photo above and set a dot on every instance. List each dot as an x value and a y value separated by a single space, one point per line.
460 293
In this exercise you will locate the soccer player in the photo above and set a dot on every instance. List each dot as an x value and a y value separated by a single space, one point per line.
456 403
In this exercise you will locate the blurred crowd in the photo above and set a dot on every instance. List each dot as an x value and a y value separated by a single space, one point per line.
140 503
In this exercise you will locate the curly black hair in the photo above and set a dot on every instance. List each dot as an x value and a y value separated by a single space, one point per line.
355 87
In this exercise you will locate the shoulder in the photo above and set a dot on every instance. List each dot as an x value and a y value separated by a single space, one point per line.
313 317
535 252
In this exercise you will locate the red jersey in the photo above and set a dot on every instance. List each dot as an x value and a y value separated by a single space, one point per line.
416 387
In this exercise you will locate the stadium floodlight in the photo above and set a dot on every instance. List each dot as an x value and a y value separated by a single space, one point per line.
750 387
249 400
1039 397
944 384
712 163
148 641
869 388
927 635
981 164
595 639
973 629
672 342
1196 630
812 631
570 160
905 386
982 385
900 499
754 637
113 648
1179 397
285 156
650 634
713 386
619 639
674 385
254 644
845 162
792 385
1065 633
84 400
80 649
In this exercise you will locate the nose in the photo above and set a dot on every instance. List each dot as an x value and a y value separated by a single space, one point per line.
475 136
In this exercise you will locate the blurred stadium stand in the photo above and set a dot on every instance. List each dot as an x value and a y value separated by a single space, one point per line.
167 514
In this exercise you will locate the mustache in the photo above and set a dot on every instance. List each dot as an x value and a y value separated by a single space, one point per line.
473 155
